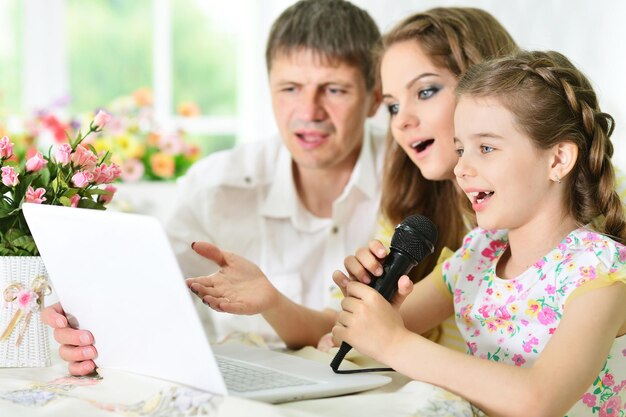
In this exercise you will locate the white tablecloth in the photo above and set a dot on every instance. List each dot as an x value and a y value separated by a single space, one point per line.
52 392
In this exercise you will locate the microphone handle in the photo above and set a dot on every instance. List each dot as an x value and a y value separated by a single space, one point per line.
396 264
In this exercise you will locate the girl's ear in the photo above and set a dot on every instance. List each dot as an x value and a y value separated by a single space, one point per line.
564 156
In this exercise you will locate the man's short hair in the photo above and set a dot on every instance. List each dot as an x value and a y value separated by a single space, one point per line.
336 30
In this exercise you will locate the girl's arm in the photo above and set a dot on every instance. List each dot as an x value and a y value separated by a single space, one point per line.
424 308
566 368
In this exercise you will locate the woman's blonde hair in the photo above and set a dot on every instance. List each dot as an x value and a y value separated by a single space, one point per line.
552 102
454 38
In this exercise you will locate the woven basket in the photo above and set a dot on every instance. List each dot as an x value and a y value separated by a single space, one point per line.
33 349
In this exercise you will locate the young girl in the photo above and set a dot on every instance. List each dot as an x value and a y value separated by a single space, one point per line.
538 297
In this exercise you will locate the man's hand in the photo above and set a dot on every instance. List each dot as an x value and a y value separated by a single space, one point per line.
76 345
239 287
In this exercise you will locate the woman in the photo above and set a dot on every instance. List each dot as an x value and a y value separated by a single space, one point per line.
422 59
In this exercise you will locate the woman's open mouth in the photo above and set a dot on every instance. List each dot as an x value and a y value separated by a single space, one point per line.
422 145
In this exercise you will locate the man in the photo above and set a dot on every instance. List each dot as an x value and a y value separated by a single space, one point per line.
292 210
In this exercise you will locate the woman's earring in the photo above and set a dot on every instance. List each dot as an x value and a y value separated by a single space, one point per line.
558 179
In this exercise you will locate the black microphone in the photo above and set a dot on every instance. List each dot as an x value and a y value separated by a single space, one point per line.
413 239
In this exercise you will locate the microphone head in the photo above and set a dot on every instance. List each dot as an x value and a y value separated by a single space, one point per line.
415 236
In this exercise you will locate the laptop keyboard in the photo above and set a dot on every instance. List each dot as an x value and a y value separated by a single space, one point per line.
246 377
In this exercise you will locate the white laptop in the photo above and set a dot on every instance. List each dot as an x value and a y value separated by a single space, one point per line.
116 275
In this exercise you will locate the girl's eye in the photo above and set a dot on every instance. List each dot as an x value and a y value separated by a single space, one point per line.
486 149
427 93
393 109
459 152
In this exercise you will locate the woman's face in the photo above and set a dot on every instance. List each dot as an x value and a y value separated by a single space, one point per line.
420 98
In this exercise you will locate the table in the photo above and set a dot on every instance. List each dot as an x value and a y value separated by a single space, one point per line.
52 392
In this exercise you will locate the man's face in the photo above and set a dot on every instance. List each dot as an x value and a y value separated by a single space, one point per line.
320 108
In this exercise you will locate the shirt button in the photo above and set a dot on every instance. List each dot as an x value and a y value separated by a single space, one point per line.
335 229
248 180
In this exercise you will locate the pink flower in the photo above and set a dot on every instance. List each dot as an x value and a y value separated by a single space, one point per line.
472 347
528 346
550 289
132 170
35 196
546 316
457 295
106 198
26 300
63 154
518 359
484 310
608 380
9 177
611 407
589 400
493 250
101 119
84 158
6 147
35 163
81 179
470 277
104 174
503 313
74 200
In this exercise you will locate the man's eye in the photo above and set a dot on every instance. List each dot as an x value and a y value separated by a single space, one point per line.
337 91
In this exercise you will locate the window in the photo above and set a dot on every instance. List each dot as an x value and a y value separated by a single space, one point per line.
109 50
83 55
10 57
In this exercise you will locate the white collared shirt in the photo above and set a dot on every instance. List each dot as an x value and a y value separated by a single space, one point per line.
244 200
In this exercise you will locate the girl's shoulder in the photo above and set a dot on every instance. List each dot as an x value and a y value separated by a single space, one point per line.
596 248
478 244
479 239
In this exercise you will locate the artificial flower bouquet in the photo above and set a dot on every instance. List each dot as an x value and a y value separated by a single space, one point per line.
71 174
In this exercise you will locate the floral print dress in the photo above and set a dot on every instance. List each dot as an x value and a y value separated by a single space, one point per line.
512 320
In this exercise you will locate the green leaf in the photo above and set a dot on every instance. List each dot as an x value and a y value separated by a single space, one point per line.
90 204
25 242
98 191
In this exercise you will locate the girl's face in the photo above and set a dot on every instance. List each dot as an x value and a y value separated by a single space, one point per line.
420 98
504 175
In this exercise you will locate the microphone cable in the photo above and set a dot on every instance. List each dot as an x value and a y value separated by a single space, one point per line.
341 354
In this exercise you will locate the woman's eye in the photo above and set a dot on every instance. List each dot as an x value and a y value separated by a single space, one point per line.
459 151
427 93
486 149
393 109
